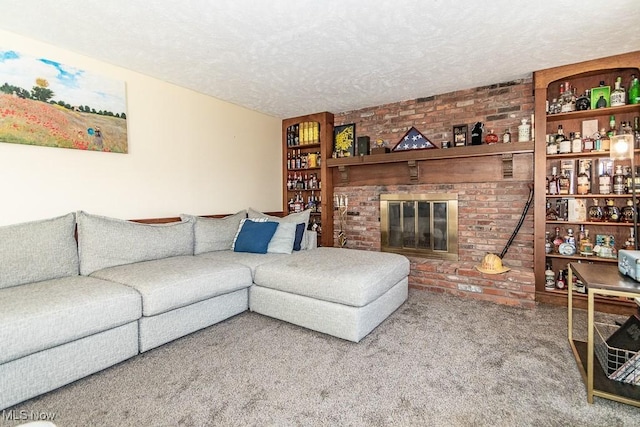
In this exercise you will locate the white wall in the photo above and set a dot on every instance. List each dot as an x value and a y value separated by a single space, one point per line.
188 153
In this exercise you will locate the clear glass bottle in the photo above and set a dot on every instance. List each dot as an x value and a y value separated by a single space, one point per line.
552 145
584 183
549 278
548 244
564 144
524 131
636 132
619 96
576 143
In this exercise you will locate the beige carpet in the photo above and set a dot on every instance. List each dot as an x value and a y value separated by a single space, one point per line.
437 361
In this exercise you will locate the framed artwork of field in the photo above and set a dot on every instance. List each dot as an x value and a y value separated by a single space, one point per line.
46 103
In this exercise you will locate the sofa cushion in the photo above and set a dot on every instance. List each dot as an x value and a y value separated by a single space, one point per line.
107 242
214 234
295 218
254 236
38 250
245 258
346 276
284 238
42 315
169 283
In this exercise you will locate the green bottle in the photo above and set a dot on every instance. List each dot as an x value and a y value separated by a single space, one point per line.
634 90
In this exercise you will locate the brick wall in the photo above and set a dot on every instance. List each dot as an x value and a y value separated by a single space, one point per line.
488 212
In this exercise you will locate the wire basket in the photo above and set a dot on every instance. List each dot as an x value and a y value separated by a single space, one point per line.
618 364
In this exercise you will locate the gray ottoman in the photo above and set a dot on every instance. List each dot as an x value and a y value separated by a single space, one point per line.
341 292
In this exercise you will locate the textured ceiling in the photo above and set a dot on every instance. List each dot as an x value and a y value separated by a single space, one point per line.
291 57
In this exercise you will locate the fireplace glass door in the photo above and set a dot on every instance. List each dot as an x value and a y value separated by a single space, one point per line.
419 226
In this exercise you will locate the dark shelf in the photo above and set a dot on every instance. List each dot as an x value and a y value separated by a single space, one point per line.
600 381
582 258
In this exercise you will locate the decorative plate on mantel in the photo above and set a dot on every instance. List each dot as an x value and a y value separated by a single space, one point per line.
413 140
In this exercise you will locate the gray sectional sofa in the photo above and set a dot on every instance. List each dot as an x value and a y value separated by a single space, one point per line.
72 307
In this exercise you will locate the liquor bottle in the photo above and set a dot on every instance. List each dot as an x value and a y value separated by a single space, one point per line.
611 211
564 145
587 144
567 99
548 244
554 184
524 131
604 183
506 136
549 278
491 138
552 145
557 240
619 96
576 143
564 182
605 142
612 125
584 184
584 101
636 132
552 213
634 90
561 282
619 184
627 213
601 102
554 107
595 212
586 246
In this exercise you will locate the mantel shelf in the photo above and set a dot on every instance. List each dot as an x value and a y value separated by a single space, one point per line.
447 153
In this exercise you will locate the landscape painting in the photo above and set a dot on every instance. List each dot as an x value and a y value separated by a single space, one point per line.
44 102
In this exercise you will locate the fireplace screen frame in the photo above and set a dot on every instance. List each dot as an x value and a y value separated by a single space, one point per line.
400 201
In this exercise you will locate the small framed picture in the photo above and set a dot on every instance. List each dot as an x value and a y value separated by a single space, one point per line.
600 97
344 140
460 135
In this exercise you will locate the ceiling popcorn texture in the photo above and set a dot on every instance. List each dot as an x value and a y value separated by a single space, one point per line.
288 58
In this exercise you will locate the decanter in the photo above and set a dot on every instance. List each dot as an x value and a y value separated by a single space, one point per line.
611 211
595 212
627 212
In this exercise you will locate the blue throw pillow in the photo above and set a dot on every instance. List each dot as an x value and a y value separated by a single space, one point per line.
297 242
254 237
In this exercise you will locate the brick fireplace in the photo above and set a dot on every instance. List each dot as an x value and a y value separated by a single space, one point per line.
490 197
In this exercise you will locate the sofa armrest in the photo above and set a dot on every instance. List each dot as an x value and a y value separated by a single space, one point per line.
311 238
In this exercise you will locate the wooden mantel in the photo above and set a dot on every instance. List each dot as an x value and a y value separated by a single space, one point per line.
477 163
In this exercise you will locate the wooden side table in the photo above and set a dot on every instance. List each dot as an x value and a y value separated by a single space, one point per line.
603 280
